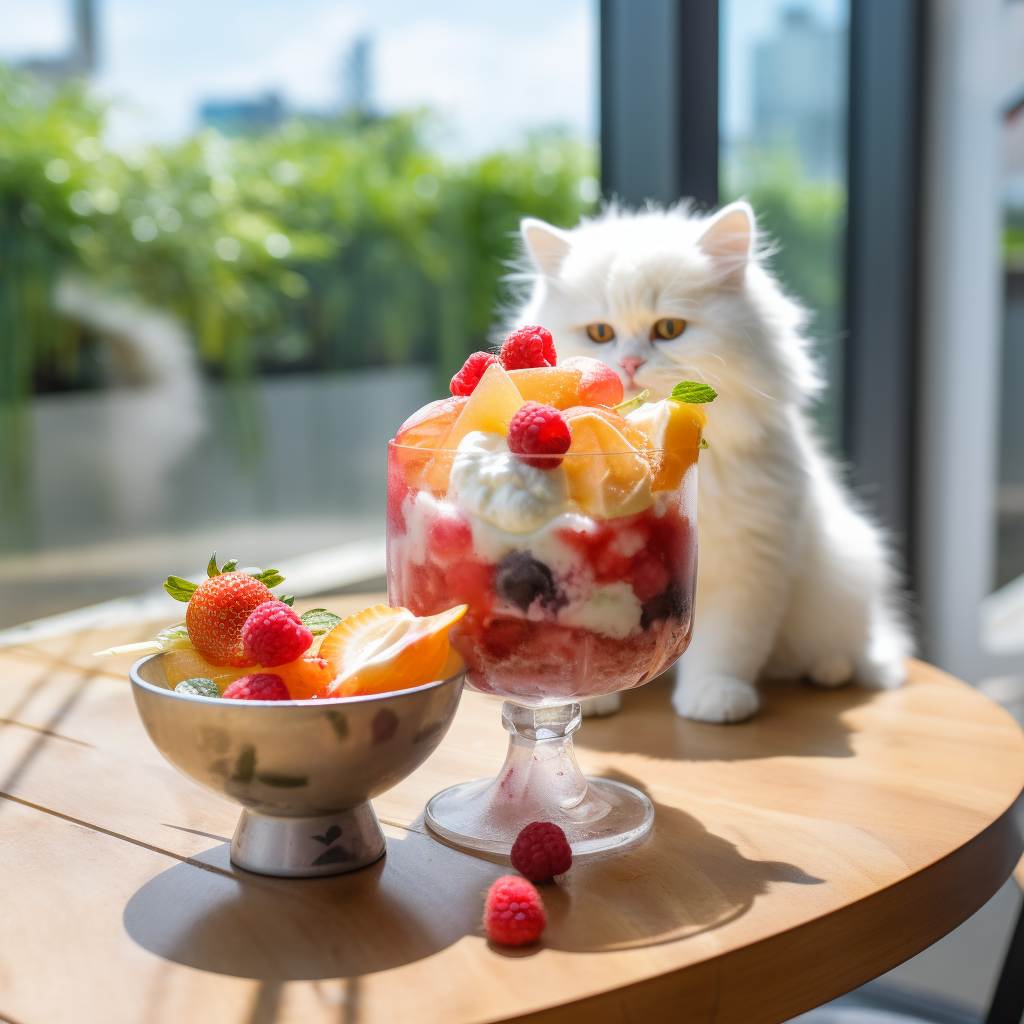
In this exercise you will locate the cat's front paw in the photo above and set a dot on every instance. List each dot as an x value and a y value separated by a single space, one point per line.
715 698
831 672
883 675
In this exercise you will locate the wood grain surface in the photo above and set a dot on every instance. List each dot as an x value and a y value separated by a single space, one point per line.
793 858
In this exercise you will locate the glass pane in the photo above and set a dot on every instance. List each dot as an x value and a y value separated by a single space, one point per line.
1010 494
783 134
239 243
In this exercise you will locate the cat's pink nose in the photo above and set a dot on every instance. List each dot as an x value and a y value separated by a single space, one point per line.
631 364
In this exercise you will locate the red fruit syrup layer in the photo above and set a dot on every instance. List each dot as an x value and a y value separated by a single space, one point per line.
511 639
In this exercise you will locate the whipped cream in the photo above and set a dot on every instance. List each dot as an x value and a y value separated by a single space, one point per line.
488 482
612 609
653 419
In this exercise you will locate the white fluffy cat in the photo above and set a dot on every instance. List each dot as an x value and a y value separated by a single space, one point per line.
793 581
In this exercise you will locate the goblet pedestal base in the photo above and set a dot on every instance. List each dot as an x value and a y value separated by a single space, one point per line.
540 781
307 847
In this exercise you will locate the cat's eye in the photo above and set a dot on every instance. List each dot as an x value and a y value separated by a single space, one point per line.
600 333
667 329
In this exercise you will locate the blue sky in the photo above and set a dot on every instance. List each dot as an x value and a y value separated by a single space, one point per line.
744 24
492 71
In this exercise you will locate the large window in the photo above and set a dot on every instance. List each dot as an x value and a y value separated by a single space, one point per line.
782 124
1010 494
239 242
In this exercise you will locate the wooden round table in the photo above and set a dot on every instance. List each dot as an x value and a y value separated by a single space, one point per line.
794 858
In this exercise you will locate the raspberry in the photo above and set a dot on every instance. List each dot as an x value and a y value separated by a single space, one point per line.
449 536
541 851
514 912
527 348
539 430
274 634
648 577
466 380
258 686
216 614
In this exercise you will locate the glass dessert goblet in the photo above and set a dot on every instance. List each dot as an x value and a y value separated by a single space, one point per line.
579 575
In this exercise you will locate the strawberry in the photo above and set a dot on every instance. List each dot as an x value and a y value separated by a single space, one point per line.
218 607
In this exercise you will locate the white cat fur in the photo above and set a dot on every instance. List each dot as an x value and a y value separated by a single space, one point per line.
793 581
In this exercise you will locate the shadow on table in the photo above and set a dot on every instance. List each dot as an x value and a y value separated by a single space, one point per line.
682 881
795 719
424 896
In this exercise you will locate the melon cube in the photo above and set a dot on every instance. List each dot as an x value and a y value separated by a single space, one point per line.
607 476
429 426
636 437
490 408
549 385
599 383
190 664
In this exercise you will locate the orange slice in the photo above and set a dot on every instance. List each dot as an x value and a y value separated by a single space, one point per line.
381 649
607 476
306 677
495 400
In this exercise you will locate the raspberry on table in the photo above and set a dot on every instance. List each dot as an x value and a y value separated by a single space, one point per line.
541 851
258 686
539 430
273 634
466 380
514 912
527 348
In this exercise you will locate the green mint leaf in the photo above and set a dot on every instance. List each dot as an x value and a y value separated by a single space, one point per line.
269 577
288 599
229 565
198 687
692 392
211 568
625 408
179 589
319 621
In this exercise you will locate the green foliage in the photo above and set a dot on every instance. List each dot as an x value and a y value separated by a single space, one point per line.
1013 239
805 223
328 244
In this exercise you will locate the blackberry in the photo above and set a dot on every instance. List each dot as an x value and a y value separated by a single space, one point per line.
521 579
668 604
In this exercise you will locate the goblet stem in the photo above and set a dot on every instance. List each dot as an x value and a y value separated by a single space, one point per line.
540 781
540 775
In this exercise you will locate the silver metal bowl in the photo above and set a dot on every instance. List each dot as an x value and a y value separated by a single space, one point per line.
304 771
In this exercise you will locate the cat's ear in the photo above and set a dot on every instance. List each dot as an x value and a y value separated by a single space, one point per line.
546 244
727 240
